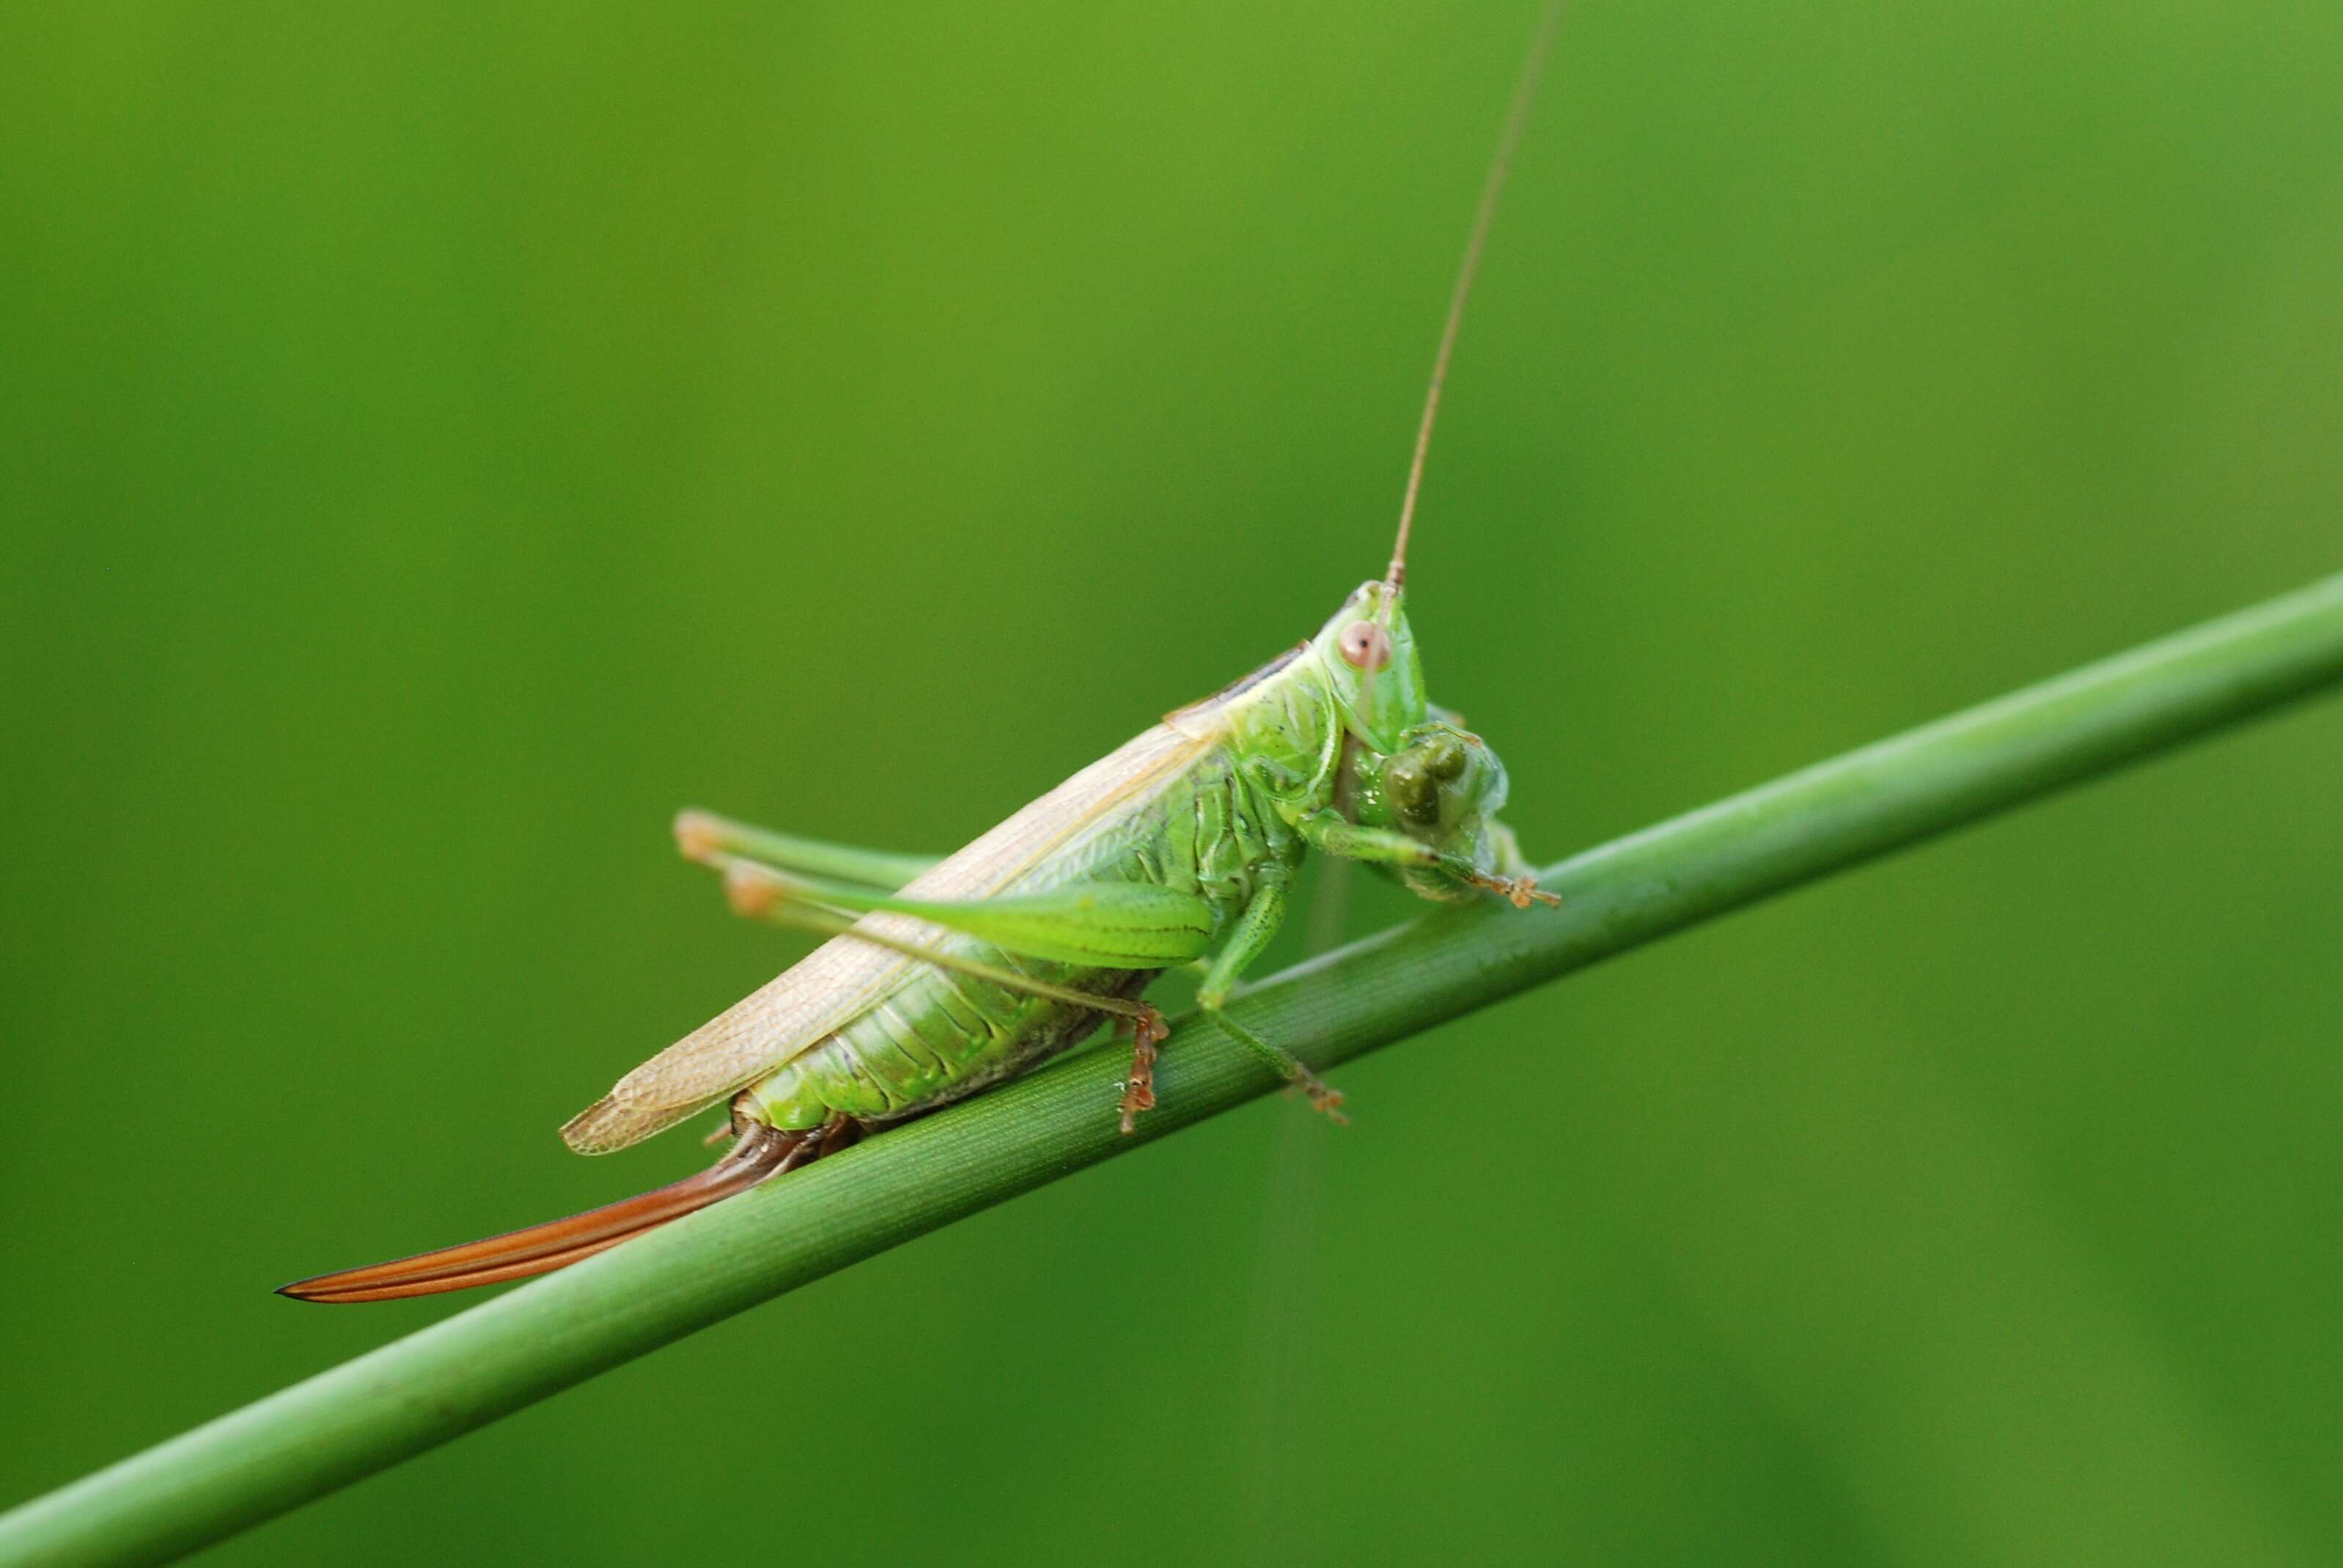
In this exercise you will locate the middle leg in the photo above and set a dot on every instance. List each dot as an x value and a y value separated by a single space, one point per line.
1264 914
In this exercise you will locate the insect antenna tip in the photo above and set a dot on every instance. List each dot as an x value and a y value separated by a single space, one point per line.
1516 116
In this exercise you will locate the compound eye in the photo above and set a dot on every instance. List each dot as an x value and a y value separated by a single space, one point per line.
1364 646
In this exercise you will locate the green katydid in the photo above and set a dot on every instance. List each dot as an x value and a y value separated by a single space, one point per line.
942 978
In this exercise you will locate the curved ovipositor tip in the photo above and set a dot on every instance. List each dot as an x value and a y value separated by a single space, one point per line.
761 1152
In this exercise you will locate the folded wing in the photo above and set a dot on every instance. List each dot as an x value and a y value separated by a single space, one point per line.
844 976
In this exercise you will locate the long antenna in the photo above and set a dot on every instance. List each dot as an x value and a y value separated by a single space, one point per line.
1515 117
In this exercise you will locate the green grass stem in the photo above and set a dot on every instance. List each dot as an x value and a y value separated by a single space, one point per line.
542 1337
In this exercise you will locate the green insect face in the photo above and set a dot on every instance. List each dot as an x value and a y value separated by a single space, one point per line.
1442 786
1369 655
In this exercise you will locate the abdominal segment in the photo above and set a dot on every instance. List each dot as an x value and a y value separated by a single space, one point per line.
940 1038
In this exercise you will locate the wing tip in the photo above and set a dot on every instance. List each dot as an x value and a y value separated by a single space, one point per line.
614 1123
601 1128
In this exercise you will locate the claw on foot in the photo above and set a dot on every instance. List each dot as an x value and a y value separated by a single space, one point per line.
1326 1099
1147 1031
1522 891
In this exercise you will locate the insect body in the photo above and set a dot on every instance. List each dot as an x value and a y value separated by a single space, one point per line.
1176 849
940 978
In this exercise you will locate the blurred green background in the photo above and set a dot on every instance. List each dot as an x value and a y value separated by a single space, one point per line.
437 444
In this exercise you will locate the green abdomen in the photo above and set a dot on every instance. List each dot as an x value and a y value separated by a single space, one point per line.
941 1034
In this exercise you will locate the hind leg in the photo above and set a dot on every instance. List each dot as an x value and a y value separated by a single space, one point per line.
1147 1031
714 840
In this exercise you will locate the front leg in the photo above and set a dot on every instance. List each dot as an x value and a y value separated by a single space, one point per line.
1331 833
